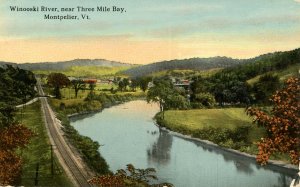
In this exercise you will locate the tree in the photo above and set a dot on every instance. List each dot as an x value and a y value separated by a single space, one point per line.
58 81
230 88
176 101
130 177
159 92
143 82
166 95
282 125
78 84
121 85
134 84
13 137
265 87
15 86
205 99
126 83
199 85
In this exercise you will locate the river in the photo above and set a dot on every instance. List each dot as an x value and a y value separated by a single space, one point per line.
128 134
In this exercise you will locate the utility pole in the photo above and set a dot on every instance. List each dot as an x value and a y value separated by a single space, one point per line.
36 180
52 165
22 114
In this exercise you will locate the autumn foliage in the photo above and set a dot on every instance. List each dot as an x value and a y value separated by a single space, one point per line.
129 177
12 137
282 125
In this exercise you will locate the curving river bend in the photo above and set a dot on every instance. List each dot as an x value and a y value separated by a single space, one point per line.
129 135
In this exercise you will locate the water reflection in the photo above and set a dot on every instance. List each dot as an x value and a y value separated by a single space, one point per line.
242 164
282 181
160 150
129 130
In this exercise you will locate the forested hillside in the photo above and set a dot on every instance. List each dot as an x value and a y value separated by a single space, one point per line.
66 64
230 85
248 67
265 63
192 63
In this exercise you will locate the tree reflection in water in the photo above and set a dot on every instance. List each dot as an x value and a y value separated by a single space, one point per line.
160 151
282 181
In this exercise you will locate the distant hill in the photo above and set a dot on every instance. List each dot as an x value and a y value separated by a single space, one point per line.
67 64
262 63
284 64
185 64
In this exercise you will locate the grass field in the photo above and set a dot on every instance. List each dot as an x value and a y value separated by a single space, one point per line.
87 71
69 93
38 151
229 118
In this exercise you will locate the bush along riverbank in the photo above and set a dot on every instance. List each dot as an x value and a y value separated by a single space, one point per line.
92 103
85 145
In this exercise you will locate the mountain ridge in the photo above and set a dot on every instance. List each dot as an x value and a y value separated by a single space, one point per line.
59 65
190 63
209 63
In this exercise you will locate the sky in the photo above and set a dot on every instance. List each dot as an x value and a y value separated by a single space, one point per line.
149 30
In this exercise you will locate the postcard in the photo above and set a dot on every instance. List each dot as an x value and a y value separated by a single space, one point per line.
150 93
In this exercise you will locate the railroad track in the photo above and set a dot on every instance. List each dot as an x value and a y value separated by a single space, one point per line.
65 152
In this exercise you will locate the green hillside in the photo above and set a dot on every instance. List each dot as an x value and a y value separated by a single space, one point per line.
283 74
197 64
87 71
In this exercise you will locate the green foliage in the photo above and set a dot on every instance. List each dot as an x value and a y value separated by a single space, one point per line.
78 84
228 127
230 85
121 85
265 87
16 85
108 100
7 115
205 99
38 151
124 83
229 88
75 105
236 138
266 63
143 82
87 71
86 146
166 95
176 101
57 81
185 64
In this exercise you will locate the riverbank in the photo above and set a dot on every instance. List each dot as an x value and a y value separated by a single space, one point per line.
220 135
129 135
88 148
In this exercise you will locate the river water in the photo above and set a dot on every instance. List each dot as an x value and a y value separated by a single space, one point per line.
128 134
